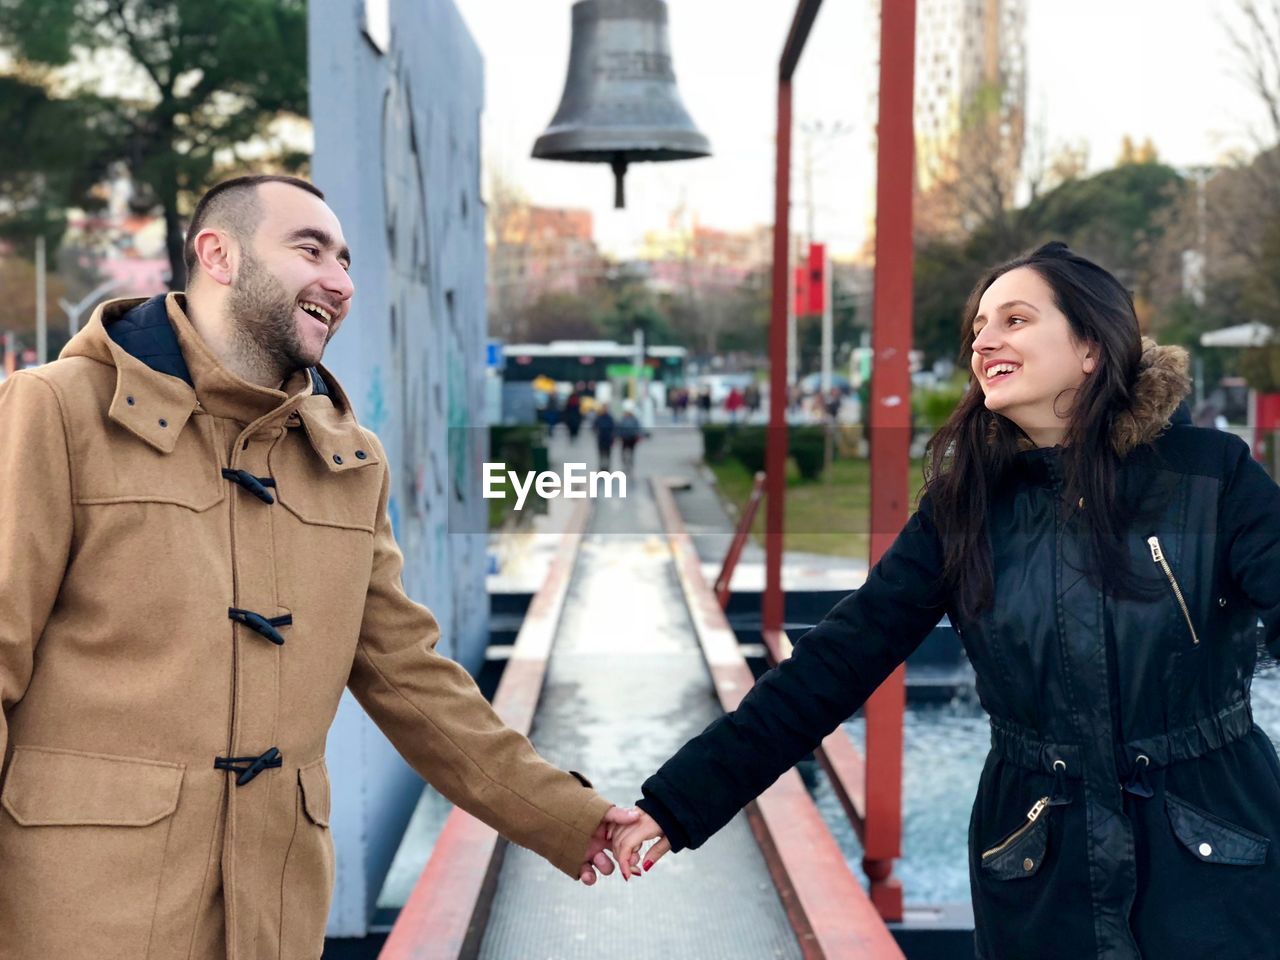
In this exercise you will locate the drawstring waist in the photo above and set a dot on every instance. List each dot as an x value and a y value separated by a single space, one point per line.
1022 746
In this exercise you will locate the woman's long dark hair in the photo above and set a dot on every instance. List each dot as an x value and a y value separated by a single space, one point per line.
970 454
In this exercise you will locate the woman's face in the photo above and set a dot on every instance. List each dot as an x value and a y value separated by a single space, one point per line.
1025 355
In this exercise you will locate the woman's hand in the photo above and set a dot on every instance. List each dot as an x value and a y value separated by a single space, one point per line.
596 859
628 839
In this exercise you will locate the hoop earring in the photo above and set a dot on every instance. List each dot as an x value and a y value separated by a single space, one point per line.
1067 415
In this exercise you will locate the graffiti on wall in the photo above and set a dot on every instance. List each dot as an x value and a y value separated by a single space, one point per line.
435 343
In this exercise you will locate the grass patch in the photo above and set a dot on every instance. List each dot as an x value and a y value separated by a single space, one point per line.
829 516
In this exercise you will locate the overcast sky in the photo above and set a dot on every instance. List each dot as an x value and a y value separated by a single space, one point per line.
1097 70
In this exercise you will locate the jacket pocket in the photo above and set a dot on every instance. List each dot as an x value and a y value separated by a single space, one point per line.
135 473
314 781
1212 839
319 497
82 846
309 868
1020 854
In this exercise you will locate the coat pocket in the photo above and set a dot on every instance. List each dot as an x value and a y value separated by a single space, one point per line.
308 869
82 846
1212 839
1020 854
319 497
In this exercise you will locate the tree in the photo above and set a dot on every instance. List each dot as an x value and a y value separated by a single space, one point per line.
201 80
1117 217
972 177
560 316
634 308
51 165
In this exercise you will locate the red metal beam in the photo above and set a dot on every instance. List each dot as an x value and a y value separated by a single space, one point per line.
775 459
890 424
828 909
445 914
740 536
797 37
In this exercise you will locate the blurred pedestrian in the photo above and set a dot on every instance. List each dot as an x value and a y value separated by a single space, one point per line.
834 401
551 414
704 405
604 427
629 433
733 404
573 413
679 404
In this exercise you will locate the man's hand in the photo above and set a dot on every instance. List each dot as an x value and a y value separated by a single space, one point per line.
628 839
615 818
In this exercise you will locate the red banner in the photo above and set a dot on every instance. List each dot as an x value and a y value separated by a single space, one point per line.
817 265
800 289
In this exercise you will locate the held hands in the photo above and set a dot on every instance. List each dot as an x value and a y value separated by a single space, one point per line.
628 838
596 859
622 832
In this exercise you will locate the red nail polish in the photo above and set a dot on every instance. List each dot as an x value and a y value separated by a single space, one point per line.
647 865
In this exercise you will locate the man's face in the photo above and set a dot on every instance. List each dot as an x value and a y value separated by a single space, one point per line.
291 290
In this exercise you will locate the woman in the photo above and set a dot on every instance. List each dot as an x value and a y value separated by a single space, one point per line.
1106 565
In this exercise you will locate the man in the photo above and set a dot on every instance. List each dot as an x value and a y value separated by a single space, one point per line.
196 559
604 427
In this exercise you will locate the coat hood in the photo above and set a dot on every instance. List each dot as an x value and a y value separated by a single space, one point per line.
165 371
1163 383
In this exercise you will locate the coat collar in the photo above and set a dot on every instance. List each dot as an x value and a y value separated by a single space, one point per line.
1157 402
165 372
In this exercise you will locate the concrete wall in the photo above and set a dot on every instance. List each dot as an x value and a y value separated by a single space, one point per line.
397 152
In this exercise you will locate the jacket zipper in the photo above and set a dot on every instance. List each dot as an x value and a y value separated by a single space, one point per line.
1032 816
1157 555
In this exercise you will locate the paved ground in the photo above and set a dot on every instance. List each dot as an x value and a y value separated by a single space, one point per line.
625 687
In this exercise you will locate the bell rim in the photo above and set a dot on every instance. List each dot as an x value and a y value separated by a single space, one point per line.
631 145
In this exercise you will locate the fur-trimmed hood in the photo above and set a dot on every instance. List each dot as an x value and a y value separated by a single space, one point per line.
1163 383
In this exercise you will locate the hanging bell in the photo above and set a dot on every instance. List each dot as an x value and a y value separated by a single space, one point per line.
620 103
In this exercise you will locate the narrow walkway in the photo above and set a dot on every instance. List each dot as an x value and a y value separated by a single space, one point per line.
626 686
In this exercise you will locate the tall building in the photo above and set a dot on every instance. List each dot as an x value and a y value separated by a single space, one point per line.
970 94
534 251
701 260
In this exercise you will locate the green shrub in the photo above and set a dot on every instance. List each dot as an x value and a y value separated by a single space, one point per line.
747 445
715 442
522 448
932 407
808 448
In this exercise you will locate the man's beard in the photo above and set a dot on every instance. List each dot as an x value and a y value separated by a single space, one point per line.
264 330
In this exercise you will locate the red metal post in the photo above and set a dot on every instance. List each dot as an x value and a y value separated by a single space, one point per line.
775 457
890 425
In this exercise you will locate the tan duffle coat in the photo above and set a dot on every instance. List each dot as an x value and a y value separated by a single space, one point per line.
160 622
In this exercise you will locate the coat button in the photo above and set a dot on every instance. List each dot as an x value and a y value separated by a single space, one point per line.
337 458
1222 601
129 401
164 422
1205 850
1028 864
360 455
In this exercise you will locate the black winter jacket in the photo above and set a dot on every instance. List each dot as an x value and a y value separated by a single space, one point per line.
1125 722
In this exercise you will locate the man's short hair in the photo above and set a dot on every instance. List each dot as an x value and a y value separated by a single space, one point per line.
234 206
